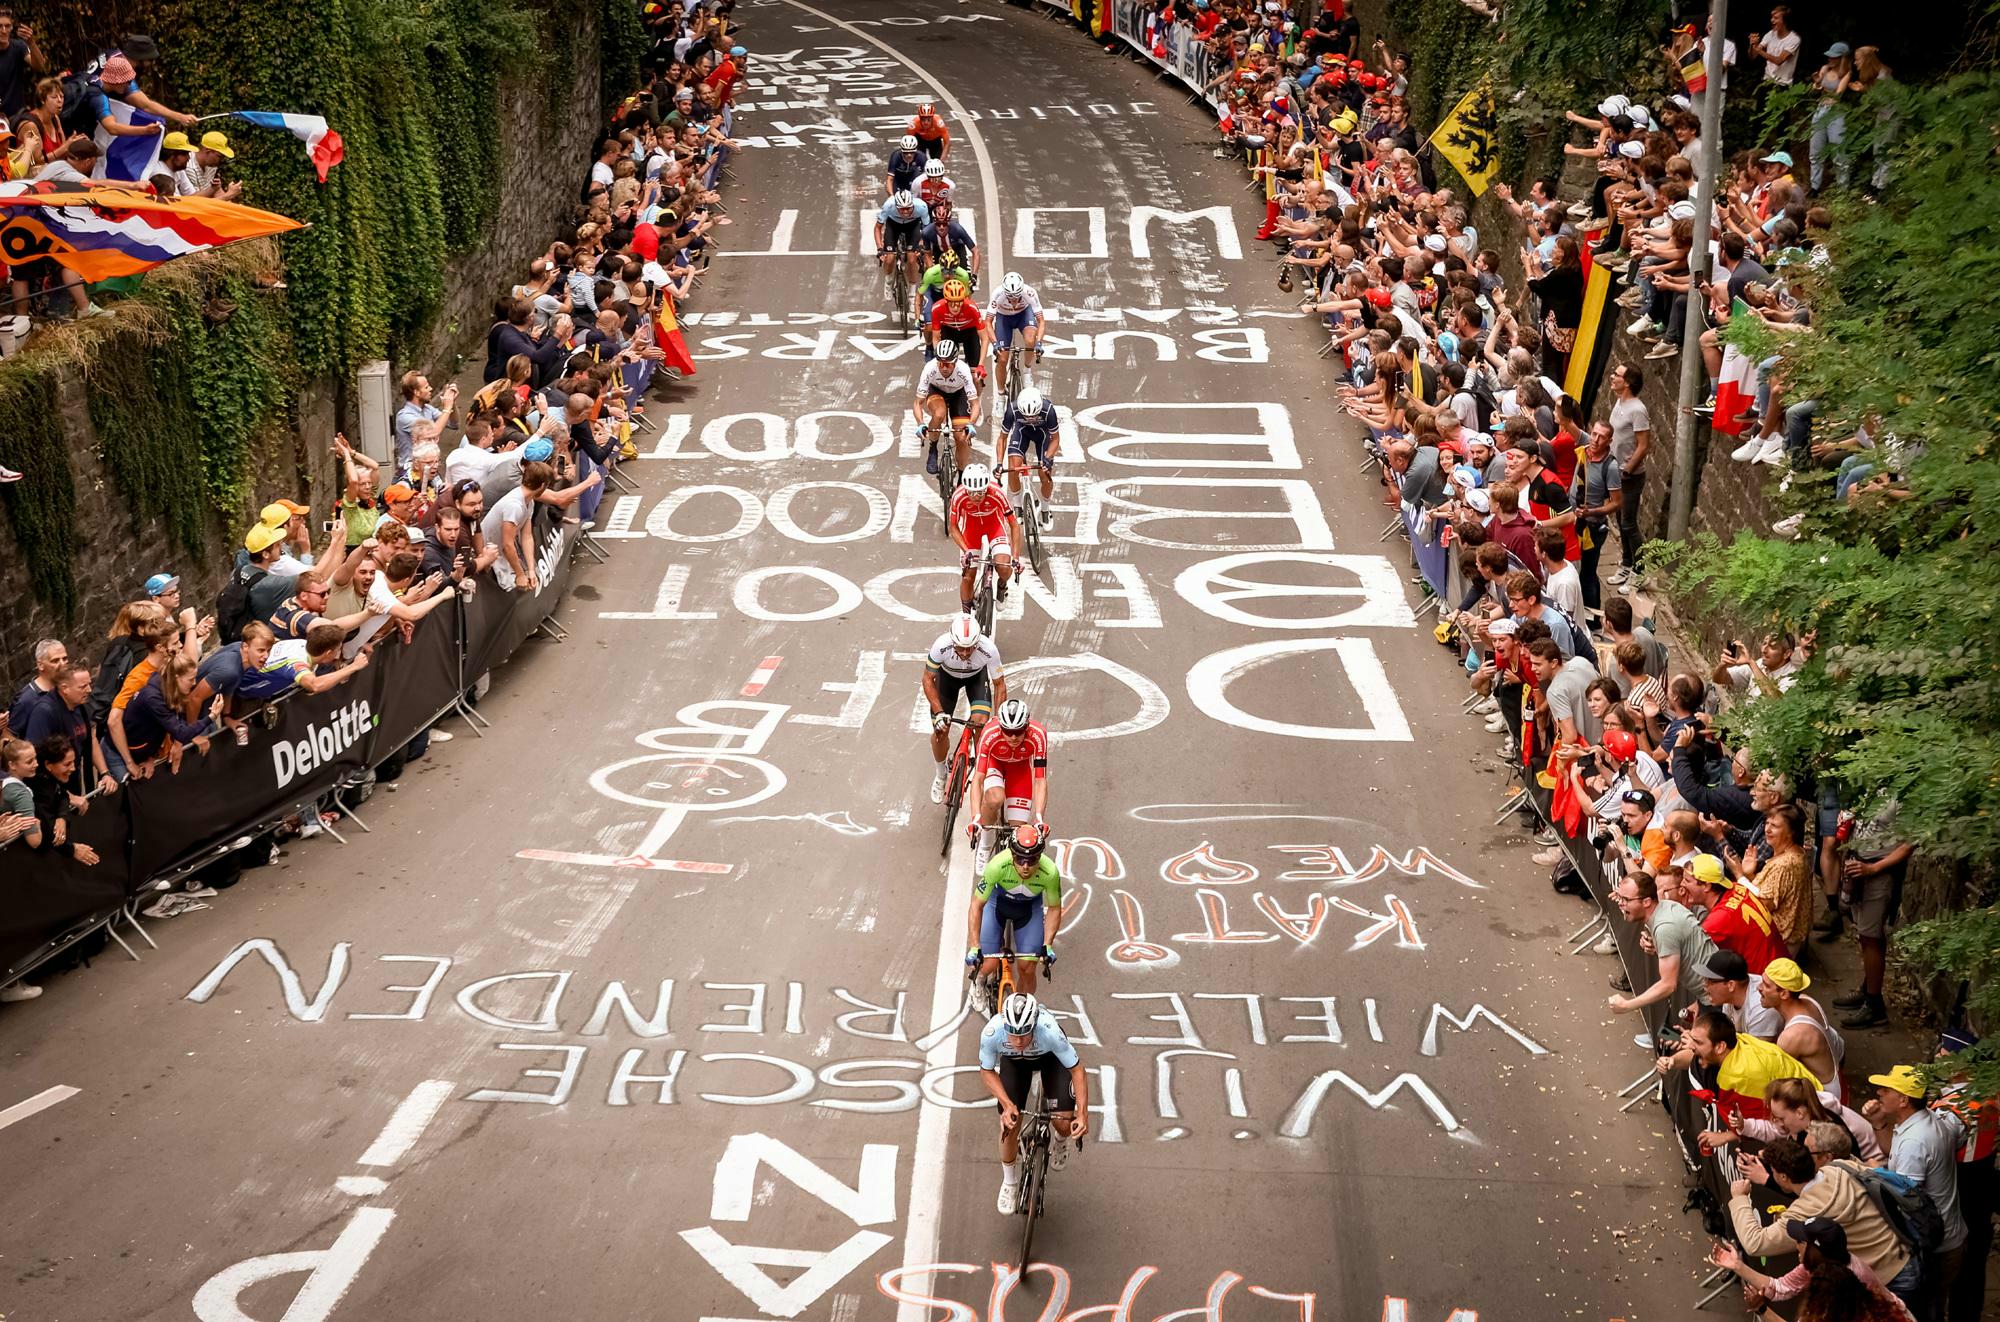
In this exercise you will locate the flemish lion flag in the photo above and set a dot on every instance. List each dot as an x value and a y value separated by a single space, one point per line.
1467 136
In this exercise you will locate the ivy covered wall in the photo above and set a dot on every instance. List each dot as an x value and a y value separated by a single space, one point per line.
207 395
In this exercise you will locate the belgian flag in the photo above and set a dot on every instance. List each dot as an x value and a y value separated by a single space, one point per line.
1693 71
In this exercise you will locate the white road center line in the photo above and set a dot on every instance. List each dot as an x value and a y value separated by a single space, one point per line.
927 1163
41 1101
406 1126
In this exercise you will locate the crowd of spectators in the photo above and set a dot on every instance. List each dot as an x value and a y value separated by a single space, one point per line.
1727 869
314 589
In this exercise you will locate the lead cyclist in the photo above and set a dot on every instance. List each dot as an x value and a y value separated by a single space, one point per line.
1014 310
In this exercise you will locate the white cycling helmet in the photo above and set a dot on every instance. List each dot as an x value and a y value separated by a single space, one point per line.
1013 285
934 170
1020 1013
905 200
1029 402
946 351
1012 715
909 142
964 630
975 479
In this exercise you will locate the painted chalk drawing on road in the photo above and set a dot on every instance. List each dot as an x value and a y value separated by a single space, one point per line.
932 1286
757 1044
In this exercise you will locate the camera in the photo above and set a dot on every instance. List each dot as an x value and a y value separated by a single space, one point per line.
1600 840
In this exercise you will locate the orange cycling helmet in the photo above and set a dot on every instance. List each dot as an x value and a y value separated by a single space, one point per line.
956 290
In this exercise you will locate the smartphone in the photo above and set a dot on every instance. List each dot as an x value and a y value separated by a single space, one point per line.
333 525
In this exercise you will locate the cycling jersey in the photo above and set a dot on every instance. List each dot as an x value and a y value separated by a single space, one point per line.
934 191
1002 877
950 234
1017 763
988 510
1034 428
966 316
919 215
985 658
1005 304
929 130
956 381
1048 1040
905 166
932 285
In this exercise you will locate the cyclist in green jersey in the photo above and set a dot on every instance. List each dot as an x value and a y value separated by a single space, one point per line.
1023 888
931 286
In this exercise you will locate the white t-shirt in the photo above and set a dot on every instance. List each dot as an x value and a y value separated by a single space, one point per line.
1786 48
1565 589
380 600
510 508
600 173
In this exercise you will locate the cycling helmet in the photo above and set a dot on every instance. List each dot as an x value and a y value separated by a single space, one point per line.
927 111
1019 1014
1013 285
934 170
948 260
1029 402
955 290
975 480
946 351
905 200
1013 713
964 630
1026 846
909 142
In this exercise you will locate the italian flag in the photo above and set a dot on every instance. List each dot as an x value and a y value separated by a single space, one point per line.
1735 392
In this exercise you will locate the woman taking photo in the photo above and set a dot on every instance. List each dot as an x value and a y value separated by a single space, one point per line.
1559 287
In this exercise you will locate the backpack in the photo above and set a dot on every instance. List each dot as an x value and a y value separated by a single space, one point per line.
1480 387
232 604
1903 1204
119 658
76 116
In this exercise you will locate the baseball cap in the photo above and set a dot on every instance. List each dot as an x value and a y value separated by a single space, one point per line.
1345 122
1681 211
685 94
1838 49
538 451
262 537
1787 974
218 142
1955 1040
1904 1079
1502 628
1464 477
1632 149
1707 869
1823 1233
160 583
1724 966
176 142
738 51
279 513
1777 158
400 491
1435 242
1483 504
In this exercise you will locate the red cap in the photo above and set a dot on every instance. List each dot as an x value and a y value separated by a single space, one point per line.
1621 745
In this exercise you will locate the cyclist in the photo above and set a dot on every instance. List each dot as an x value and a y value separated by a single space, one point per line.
1023 1040
1031 421
945 394
956 317
899 226
932 185
962 660
1015 309
930 132
944 267
1025 889
979 513
945 234
905 164
1012 772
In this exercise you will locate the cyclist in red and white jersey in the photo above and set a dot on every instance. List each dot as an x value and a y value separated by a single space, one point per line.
956 317
1011 769
980 513
932 185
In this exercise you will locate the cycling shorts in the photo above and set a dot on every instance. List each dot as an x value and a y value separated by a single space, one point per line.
1043 444
1015 1071
1025 915
1006 325
1015 781
978 691
933 147
968 342
990 527
899 234
956 403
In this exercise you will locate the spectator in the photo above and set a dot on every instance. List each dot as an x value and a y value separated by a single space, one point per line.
1981 1118
1827 1189
1560 585
1694 755
1872 891
203 178
1794 1107
1737 1067
1783 874
1600 499
1564 683
1514 528
158 721
1619 627
1806 1033
1775 669
1778 48
53 787
20 60
1735 920
1836 1286
1678 942
51 660
295 616
1524 599
419 419
68 715
1922 1143
510 526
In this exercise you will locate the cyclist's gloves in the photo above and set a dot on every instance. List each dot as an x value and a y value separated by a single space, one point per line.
1048 956
940 719
972 957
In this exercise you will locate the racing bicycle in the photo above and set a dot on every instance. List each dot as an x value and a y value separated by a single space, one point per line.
1017 367
899 285
956 777
990 993
947 475
985 577
1037 1123
1031 522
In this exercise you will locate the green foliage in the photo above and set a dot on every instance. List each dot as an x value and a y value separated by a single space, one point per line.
42 506
622 41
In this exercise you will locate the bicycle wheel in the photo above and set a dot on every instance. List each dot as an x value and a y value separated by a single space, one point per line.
954 793
901 285
1031 533
982 603
1034 1172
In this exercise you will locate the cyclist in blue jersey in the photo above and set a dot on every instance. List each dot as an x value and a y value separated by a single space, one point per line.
899 227
905 164
1021 1041
1016 313
1030 422
946 233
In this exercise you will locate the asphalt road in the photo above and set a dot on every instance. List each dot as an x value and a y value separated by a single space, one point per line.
643 1005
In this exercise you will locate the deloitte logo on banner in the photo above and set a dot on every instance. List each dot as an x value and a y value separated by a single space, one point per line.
550 557
323 742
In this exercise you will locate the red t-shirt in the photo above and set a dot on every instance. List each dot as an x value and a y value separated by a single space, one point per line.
1564 443
1741 923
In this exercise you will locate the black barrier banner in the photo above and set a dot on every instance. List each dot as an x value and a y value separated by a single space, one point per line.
47 892
498 621
1170 46
418 679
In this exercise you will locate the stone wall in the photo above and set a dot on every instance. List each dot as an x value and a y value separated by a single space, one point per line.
547 141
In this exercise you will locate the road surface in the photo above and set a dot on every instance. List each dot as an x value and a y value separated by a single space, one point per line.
647 1004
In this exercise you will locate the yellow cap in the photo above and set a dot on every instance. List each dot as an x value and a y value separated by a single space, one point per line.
263 537
1707 869
1786 974
217 142
1904 1079
176 142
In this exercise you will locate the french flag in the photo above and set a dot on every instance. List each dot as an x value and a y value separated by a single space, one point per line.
323 145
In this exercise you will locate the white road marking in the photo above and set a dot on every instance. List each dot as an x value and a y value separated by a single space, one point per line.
406 1126
927 1165
41 1101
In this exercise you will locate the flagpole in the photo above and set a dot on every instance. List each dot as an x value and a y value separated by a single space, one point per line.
1680 497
